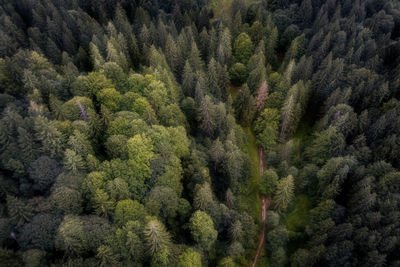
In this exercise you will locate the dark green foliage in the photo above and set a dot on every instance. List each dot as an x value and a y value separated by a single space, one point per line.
238 74
244 106
125 140
43 172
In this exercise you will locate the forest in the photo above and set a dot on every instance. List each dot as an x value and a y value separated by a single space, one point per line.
197 133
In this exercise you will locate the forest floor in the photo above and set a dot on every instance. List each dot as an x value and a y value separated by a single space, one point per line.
249 199
265 202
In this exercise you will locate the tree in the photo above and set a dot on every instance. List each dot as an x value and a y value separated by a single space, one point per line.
66 200
140 153
277 238
166 200
244 106
190 258
171 54
106 256
71 237
266 128
206 116
188 80
128 210
236 231
327 144
212 79
73 162
202 230
243 48
261 97
217 153
102 203
268 183
284 194
49 136
39 232
18 211
43 172
156 237
224 50
238 73
257 71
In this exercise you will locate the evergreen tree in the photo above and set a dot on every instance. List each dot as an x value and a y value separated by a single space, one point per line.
156 237
244 106
283 194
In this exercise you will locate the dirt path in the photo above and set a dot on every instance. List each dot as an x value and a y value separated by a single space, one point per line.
265 202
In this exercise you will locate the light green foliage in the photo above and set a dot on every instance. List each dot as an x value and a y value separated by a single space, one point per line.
102 203
71 237
106 256
71 111
243 48
73 162
284 194
91 84
126 126
110 97
128 210
156 237
190 258
172 115
118 189
202 230
50 137
140 153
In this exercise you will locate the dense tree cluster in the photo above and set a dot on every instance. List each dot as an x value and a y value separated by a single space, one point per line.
125 129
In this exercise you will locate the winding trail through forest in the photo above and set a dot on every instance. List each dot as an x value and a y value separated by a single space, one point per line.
265 202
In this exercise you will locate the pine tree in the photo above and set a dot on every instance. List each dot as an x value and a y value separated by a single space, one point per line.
156 237
95 56
212 79
73 162
224 52
188 80
171 54
243 48
18 211
195 58
244 106
206 116
49 136
284 194
106 256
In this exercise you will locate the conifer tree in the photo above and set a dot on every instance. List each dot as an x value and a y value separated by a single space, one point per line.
284 194
18 211
156 237
244 106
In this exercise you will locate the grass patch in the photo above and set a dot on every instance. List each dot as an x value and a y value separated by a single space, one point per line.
297 218
250 201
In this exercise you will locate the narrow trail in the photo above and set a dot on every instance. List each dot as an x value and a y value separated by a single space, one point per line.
265 202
